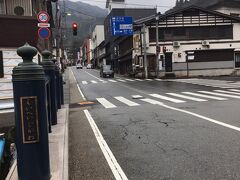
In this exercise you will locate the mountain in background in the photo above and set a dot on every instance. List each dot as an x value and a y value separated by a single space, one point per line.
85 15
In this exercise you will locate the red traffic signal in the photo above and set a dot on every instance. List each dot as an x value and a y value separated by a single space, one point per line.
74 28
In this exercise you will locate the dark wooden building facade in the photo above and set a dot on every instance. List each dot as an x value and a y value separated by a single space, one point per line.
118 49
18 22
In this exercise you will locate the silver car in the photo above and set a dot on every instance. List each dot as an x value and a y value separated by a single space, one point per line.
106 71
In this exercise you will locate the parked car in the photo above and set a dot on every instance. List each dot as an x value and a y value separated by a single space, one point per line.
106 71
89 66
79 66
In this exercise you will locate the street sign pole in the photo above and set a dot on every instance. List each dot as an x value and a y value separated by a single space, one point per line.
43 31
157 48
145 51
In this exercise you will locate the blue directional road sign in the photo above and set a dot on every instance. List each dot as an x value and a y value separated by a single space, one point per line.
122 26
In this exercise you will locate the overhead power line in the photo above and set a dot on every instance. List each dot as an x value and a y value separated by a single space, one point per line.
134 4
80 12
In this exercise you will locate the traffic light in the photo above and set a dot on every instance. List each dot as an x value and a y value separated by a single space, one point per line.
74 28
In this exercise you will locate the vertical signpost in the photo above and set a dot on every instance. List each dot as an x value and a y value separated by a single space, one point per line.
44 31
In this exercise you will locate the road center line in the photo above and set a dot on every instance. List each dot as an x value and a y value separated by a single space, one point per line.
112 162
193 114
93 76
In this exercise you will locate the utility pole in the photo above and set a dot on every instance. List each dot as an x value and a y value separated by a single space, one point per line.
57 32
157 47
145 51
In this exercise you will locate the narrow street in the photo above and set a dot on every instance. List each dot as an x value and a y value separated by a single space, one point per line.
167 129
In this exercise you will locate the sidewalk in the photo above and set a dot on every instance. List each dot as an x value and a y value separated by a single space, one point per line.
58 142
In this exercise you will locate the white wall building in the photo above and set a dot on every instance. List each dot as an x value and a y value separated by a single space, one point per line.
115 4
192 42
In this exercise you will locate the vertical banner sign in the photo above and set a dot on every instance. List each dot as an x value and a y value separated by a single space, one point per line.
29 119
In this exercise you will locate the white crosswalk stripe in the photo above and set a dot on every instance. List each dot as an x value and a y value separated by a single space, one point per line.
205 96
235 90
84 82
94 82
187 97
151 101
130 80
139 79
158 79
167 98
126 101
121 80
106 103
111 80
227 92
148 79
137 96
220 94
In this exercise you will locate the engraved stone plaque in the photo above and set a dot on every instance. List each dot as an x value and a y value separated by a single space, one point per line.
29 119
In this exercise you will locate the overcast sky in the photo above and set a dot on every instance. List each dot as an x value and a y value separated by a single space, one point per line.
163 5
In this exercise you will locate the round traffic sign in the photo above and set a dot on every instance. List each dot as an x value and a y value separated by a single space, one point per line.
43 17
44 33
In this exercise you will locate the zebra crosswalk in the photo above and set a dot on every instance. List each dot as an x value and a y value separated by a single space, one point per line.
116 80
195 81
182 97
209 82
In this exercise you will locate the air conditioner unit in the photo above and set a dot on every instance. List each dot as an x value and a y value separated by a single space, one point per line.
20 8
176 44
205 43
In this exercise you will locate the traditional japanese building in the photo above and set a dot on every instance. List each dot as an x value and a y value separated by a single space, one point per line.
193 41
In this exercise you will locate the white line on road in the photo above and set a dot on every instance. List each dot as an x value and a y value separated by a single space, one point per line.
126 101
148 79
112 162
137 96
111 80
121 80
93 76
193 114
151 101
235 90
81 93
130 80
220 94
84 82
106 103
187 97
227 92
167 98
94 82
139 80
205 96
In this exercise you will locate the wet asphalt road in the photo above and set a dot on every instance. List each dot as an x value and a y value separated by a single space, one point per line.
172 141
